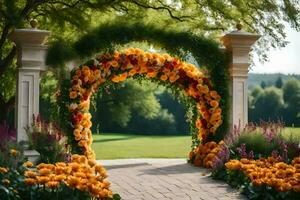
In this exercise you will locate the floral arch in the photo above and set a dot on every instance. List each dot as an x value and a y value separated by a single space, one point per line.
104 38
117 67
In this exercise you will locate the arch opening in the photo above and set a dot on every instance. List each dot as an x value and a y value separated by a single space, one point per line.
117 67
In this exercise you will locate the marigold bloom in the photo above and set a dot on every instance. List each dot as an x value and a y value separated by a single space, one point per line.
30 174
52 184
73 94
30 181
163 77
28 164
13 152
3 170
6 182
60 177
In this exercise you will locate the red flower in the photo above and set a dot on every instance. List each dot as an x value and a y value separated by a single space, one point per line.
75 82
204 123
94 67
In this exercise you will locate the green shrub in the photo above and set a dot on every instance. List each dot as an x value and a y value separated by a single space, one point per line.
257 143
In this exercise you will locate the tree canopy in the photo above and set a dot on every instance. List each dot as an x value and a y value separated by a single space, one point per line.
72 18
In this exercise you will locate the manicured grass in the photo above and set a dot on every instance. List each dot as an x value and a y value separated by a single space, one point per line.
114 146
292 133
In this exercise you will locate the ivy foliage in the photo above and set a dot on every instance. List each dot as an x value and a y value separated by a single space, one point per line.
107 36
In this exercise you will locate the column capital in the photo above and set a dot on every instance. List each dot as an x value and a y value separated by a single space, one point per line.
31 47
31 36
239 39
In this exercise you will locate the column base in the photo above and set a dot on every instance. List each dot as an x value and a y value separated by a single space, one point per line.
32 155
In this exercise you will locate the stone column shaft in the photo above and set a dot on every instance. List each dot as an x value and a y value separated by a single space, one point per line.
238 44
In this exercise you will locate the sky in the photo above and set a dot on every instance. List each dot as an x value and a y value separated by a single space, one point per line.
286 60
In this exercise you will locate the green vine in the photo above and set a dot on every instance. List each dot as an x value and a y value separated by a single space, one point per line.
107 36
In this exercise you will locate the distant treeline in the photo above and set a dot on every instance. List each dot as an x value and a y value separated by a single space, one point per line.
145 108
268 79
275 99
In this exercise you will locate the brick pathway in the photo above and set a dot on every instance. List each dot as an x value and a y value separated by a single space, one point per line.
161 179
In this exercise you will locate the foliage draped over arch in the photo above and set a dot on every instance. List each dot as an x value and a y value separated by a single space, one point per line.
103 39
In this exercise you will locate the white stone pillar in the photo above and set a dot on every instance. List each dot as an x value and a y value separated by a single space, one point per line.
31 53
238 43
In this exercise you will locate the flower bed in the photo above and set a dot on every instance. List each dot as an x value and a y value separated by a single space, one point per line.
258 161
78 180
270 172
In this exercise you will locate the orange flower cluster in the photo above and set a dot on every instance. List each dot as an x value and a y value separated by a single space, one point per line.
204 154
117 67
279 175
81 174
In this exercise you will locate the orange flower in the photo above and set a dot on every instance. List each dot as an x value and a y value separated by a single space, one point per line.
114 64
123 77
52 184
163 77
132 72
3 170
30 181
13 152
30 174
151 74
115 79
28 164
44 172
73 94
174 78
214 104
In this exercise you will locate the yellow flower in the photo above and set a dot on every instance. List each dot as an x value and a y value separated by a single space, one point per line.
163 77
44 171
28 164
30 174
30 181
6 182
73 94
60 164
52 184
13 152
3 170
73 181
92 78
60 177
42 179
75 166
114 64
86 72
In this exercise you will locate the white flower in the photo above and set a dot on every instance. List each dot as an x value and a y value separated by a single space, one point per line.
73 106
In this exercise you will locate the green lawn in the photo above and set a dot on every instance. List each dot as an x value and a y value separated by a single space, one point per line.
294 132
114 146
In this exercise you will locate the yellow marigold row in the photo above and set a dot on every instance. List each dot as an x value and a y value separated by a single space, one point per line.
205 154
271 172
81 174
